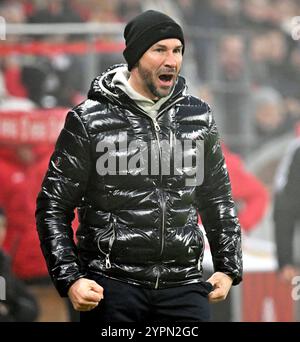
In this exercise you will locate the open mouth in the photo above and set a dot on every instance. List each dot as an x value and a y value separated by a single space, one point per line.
166 78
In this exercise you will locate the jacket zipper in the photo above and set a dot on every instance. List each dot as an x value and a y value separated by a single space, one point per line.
157 130
110 244
163 202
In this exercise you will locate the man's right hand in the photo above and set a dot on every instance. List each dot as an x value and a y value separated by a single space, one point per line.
85 294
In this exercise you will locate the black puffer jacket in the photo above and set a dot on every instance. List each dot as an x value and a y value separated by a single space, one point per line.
139 228
286 211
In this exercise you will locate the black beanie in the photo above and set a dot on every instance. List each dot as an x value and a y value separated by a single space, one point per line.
145 30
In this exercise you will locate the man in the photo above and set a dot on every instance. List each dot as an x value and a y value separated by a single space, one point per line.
140 250
249 193
286 212
17 304
22 171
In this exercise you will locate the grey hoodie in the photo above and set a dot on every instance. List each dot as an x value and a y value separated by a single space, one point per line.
151 107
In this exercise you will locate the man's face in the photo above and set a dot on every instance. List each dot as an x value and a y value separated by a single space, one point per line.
158 68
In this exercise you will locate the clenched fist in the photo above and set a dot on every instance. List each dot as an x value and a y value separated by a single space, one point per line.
222 284
85 294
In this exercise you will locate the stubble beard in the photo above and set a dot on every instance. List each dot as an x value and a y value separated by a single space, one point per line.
148 79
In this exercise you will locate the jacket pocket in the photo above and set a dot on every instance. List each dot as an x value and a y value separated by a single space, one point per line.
109 234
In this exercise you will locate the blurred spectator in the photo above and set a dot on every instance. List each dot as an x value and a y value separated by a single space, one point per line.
231 91
283 11
51 81
190 10
8 102
104 11
286 213
211 13
35 71
294 62
224 13
232 61
22 169
251 199
270 116
257 14
249 193
13 11
233 94
277 55
259 51
82 9
208 15
129 9
12 72
19 304
54 11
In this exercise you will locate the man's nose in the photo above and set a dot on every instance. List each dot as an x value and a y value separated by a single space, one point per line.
170 60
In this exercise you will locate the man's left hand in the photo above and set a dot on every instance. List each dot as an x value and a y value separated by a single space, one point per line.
222 284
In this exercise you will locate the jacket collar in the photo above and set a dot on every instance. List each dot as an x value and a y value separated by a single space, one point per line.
102 87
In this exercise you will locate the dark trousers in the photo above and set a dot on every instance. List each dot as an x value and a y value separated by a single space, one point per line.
129 303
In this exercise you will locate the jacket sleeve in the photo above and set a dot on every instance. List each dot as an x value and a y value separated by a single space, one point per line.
62 189
286 206
217 210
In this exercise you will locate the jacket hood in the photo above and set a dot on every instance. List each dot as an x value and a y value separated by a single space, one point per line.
102 87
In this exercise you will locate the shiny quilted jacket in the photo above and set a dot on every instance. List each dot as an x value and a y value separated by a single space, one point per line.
136 225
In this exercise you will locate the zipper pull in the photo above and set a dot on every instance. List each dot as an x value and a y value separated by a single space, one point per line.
107 261
156 283
156 125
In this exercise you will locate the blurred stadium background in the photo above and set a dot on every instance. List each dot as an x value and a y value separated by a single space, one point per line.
242 57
